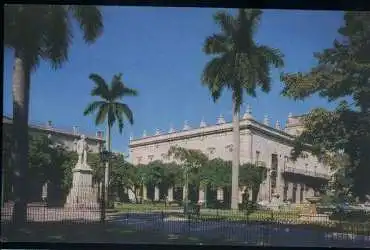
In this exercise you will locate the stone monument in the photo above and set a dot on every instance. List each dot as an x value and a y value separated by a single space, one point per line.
82 193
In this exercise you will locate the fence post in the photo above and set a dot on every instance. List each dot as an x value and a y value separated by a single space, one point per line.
102 205
188 222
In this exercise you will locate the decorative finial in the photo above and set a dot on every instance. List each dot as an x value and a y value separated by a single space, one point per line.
144 133
131 136
277 125
172 130
203 123
186 126
157 132
220 119
266 120
248 112
290 115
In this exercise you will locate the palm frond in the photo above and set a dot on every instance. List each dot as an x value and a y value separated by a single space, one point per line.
102 114
90 20
119 117
101 87
216 44
225 21
93 106
57 36
271 55
119 90
125 110
216 76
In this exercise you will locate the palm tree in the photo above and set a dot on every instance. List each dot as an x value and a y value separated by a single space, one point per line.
35 33
110 109
239 63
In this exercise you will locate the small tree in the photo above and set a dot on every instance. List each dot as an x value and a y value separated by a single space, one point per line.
190 160
252 176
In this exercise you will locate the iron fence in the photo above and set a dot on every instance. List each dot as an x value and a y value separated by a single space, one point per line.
247 227
262 227
42 212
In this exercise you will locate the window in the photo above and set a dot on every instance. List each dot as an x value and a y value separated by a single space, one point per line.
258 156
150 157
274 168
211 150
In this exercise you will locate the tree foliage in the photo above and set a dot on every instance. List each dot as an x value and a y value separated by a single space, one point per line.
109 108
342 73
216 173
252 177
239 63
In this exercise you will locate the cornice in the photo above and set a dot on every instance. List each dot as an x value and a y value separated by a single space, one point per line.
246 124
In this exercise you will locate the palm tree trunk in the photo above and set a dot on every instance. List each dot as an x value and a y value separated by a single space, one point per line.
21 96
235 157
107 164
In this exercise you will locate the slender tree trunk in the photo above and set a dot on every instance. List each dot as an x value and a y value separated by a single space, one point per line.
107 164
21 96
235 157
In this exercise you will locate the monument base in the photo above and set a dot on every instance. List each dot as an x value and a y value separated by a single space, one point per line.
82 193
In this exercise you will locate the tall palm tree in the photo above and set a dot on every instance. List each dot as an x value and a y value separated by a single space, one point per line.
110 109
239 63
35 33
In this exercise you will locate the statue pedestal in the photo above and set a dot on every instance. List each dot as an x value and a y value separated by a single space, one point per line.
82 193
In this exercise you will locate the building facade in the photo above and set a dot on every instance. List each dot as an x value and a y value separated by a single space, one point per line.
64 137
259 142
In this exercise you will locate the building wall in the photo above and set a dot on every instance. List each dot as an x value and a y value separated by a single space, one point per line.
64 138
216 141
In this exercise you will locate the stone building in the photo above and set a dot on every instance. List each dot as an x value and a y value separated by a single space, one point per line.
65 137
259 142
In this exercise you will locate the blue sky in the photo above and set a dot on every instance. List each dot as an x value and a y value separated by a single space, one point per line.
158 50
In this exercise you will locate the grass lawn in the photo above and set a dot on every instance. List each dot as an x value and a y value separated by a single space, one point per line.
93 233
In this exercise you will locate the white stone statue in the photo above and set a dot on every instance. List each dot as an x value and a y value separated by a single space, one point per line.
81 148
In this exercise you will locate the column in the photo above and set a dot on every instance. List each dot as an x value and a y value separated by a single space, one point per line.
170 194
290 190
131 195
279 177
220 194
268 185
298 193
156 193
184 193
145 193
241 195
202 196
249 148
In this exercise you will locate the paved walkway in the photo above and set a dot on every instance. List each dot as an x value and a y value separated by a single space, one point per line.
244 234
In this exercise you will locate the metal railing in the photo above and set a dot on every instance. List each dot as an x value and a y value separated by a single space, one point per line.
277 227
301 171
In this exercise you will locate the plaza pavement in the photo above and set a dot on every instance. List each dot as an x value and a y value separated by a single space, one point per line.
237 233
230 232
